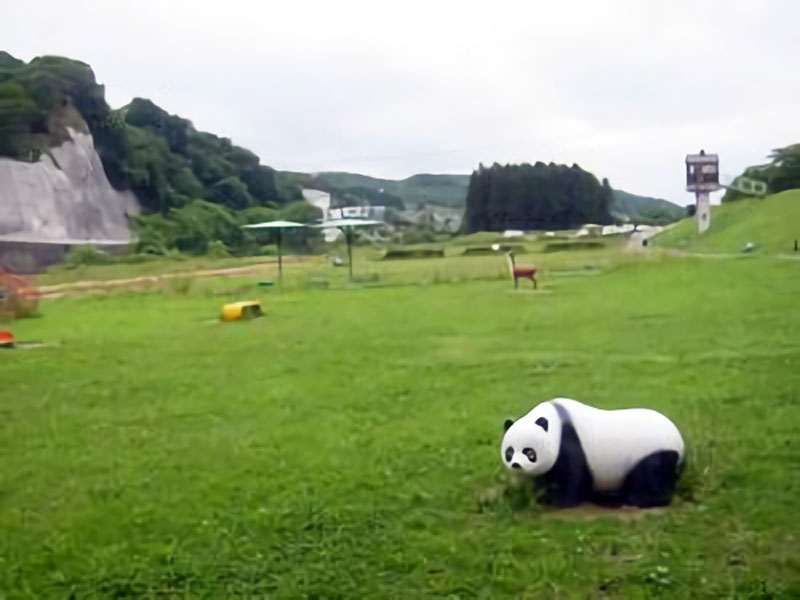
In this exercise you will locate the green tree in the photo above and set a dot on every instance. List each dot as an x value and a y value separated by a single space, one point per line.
260 182
231 192
19 116
301 212
199 223
535 197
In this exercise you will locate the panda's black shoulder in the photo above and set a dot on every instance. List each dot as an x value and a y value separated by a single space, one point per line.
570 450
570 480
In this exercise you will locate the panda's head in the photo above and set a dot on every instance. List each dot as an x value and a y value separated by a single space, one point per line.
530 444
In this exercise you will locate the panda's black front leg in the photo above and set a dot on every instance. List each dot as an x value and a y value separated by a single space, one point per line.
569 482
567 491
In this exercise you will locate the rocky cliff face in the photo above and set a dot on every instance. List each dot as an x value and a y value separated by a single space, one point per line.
64 198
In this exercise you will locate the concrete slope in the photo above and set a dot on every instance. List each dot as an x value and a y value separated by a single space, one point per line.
63 198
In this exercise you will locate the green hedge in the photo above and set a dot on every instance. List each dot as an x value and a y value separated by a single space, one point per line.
566 246
405 252
486 250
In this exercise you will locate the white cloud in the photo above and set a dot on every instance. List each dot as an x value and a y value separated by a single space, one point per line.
623 88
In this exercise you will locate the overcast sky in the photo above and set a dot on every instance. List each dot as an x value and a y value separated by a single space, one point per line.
623 88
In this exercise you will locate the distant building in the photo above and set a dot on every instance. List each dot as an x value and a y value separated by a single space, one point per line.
590 230
617 229
376 213
322 200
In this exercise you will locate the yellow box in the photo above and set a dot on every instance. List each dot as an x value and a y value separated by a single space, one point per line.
238 311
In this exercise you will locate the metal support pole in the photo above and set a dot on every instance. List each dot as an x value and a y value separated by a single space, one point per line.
349 237
280 258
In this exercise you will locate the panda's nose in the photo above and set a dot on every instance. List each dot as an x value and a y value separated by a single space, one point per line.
515 466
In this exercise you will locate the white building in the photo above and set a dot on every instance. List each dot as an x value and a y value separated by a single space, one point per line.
375 213
322 200
617 229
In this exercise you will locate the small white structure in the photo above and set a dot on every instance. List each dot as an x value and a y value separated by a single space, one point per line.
318 198
322 200
590 230
746 185
376 213
702 178
617 229
510 233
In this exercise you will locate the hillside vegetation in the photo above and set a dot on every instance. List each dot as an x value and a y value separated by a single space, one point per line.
36 96
440 190
771 224
195 188
644 209
780 174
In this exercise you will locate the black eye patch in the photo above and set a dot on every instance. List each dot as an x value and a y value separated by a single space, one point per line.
530 454
509 454
542 422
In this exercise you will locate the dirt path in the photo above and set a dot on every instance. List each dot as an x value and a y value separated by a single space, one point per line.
103 285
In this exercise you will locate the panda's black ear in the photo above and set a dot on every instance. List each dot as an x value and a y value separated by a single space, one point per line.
542 422
507 424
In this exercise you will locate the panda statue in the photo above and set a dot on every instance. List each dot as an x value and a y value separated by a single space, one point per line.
582 454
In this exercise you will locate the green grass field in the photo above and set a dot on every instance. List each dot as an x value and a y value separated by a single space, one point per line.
347 444
772 224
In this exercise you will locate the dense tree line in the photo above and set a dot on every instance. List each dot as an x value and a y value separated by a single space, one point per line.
195 188
168 163
535 197
780 174
36 99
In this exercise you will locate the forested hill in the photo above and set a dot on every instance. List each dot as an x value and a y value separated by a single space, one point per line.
644 209
536 196
445 190
194 187
162 157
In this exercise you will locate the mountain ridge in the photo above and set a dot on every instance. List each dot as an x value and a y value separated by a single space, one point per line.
449 190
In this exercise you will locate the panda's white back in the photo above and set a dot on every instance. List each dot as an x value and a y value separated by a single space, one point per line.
614 441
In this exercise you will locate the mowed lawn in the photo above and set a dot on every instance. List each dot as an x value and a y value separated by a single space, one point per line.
347 444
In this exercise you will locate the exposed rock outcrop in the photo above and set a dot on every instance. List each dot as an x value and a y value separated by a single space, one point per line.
63 199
